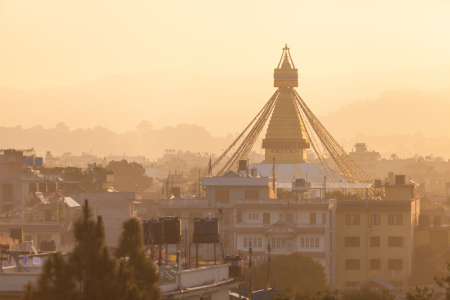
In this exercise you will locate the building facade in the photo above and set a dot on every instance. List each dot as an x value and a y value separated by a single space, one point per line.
375 238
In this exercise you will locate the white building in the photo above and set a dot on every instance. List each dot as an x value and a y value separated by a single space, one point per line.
304 226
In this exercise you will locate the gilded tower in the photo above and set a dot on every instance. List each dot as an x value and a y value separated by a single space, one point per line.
285 138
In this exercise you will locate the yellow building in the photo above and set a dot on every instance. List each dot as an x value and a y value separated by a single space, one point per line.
375 238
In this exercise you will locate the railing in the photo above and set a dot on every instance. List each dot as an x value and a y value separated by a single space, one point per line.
287 201
184 202
296 225
198 277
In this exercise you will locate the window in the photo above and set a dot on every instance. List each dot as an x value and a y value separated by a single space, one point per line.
352 264
222 196
266 218
352 241
251 194
302 242
395 220
395 241
255 242
375 264
352 219
245 243
374 219
239 216
375 241
278 242
7 192
312 218
324 218
259 242
395 264
283 242
307 243
316 243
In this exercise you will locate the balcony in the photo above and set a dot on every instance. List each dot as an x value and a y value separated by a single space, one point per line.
295 225
288 201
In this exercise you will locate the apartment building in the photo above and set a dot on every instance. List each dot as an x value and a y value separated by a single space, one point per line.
222 192
295 225
375 238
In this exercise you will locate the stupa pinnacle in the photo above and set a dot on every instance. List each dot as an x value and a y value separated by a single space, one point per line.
285 138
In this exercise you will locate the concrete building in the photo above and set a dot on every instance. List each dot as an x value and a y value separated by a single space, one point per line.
367 160
221 192
17 181
304 226
114 208
375 238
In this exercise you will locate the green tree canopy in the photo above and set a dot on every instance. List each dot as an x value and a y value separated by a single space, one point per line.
294 273
129 177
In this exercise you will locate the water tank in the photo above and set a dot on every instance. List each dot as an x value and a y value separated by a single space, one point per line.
172 230
29 161
206 230
38 161
424 220
400 179
254 172
16 233
437 221
377 183
234 265
243 165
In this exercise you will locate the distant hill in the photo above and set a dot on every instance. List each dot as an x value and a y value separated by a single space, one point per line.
392 113
103 142
221 104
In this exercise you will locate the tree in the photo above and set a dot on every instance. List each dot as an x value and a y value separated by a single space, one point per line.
444 282
131 251
61 126
294 273
129 177
420 294
90 272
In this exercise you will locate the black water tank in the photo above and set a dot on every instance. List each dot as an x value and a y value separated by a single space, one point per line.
206 230
172 230
157 232
424 220
377 183
400 179
243 165
234 268
16 233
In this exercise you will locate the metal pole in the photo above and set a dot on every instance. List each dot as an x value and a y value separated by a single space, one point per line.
196 257
215 253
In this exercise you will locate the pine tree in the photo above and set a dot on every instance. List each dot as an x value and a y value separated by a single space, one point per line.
90 272
131 251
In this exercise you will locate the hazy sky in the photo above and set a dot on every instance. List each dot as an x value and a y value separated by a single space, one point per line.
60 43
